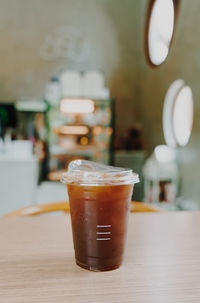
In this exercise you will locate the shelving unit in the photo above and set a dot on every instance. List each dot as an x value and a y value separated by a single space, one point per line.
95 145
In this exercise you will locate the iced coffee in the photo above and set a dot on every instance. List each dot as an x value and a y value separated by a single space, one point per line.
99 198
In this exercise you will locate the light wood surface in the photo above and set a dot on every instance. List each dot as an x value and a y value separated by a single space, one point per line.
63 206
162 262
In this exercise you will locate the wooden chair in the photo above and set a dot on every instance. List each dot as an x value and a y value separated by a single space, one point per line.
38 209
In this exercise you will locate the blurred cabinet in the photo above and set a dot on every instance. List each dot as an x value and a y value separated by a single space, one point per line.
18 182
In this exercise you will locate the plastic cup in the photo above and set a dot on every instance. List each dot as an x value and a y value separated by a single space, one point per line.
99 197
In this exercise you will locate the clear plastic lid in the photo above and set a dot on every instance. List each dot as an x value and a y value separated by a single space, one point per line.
85 172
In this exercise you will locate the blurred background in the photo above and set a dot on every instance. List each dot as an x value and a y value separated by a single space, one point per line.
110 81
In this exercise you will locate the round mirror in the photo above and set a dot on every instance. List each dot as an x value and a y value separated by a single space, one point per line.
160 30
178 114
182 117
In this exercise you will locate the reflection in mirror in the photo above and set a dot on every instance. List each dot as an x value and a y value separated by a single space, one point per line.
178 114
160 29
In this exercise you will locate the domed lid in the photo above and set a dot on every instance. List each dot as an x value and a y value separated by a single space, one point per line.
88 173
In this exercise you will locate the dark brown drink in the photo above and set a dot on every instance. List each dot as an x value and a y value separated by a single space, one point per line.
99 198
99 223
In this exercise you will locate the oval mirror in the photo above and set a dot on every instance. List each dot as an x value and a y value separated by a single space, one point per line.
161 20
178 114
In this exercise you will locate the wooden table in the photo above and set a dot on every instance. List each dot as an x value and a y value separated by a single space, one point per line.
162 262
